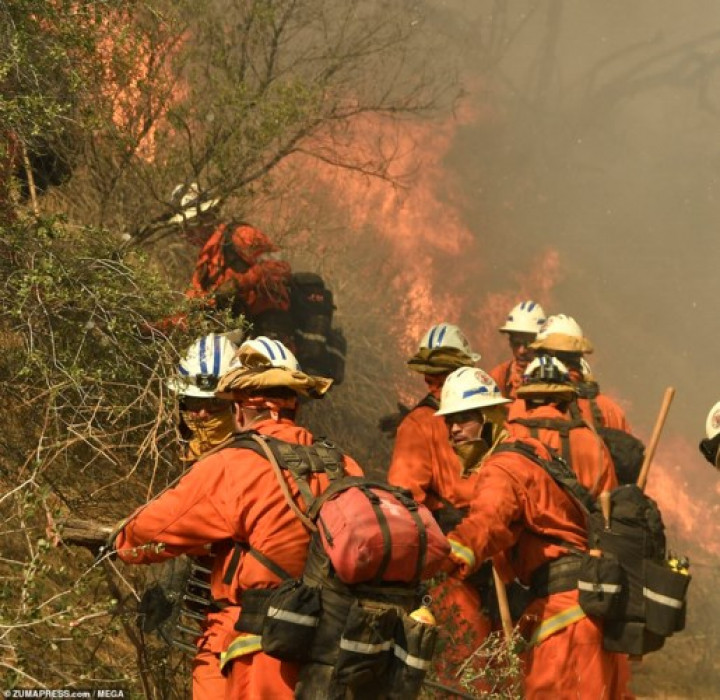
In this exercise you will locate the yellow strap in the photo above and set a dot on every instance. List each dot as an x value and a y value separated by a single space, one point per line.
462 552
556 623
242 645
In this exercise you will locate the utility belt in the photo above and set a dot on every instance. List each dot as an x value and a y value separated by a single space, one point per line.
556 576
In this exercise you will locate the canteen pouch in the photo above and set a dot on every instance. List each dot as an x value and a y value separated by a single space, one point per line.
600 585
664 592
412 656
293 614
254 610
366 645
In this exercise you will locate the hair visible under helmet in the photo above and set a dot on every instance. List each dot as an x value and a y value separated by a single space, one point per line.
443 349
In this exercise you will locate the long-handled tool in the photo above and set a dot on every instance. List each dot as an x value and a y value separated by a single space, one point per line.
504 606
652 445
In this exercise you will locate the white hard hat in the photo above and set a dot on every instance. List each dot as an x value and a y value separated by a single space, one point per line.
277 352
712 424
205 361
525 317
468 388
190 201
446 335
561 333
560 323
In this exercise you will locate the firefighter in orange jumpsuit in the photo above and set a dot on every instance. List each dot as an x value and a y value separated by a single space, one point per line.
521 327
547 392
562 337
424 462
204 423
519 514
232 496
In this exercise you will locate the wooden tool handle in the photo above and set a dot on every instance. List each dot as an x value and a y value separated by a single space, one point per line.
652 445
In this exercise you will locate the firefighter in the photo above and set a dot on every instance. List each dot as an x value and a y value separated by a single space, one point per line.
547 393
424 462
528 524
562 337
710 446
521 327
232 496
205 422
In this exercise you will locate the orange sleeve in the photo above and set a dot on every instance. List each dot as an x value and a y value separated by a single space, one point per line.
500 374
180 520
411 466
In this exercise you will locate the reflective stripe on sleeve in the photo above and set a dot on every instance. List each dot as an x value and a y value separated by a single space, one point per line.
242 645
556 623
462 552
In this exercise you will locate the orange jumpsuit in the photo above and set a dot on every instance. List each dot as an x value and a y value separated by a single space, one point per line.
232 495
508 376
424 462
515 507
588 456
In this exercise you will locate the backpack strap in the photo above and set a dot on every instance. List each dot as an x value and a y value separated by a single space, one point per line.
589 391
238 550
557 468
428 400
560 426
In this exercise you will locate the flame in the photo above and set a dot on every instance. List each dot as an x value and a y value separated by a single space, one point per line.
137 81
442 254
687 490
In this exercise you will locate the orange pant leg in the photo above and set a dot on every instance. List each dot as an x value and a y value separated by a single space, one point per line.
261 677
624 676
572 664
208 683
463 628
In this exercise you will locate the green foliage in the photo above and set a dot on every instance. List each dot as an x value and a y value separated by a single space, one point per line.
88 431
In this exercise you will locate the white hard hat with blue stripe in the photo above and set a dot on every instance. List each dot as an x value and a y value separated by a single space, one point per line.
205 361
469 388
277 352
525 317
446 335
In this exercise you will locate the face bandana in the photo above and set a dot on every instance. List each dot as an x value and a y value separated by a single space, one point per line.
472 453
207 432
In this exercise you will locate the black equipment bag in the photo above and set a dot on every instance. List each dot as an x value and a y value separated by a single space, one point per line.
641 597
321 349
